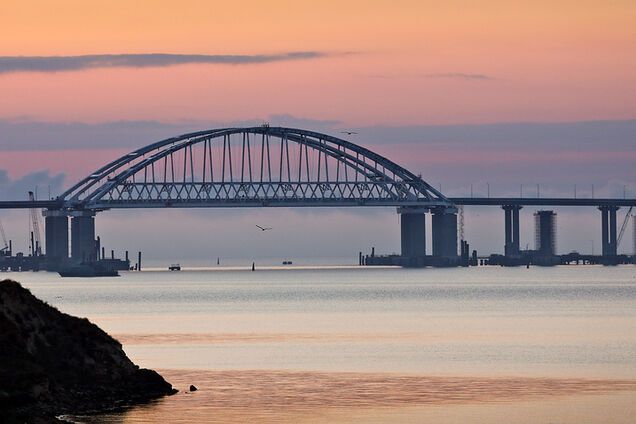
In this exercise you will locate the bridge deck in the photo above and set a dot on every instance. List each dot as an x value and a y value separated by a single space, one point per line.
540 201
467 201
28 204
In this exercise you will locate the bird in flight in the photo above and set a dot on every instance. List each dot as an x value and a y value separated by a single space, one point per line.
264 228
348 132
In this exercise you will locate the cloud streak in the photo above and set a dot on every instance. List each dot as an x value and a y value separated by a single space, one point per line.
590 136
11 64
441 75
460 75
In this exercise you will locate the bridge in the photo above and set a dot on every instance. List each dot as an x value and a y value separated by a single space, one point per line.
512 206
258 166
275 167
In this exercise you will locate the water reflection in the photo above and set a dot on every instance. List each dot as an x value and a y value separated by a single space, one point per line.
282 396
546 345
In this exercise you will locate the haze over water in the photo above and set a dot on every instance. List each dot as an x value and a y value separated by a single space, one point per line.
338 344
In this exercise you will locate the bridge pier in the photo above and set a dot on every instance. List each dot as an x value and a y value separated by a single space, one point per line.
412 232
608 230
444 228
56 235
83 247
545 230
413 236
511 246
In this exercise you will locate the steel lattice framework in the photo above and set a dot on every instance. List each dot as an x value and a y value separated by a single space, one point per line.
257 166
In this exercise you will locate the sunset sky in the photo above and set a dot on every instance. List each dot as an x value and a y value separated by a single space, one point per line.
377 62
498 92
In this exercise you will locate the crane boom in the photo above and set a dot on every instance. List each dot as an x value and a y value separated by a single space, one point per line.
624 226
35 221
4 238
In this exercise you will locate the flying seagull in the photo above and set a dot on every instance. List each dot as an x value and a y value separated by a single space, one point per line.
264 228
348 132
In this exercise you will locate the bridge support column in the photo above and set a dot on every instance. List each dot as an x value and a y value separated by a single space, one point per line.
56 235
511 246
545 231
608 230
444 227
83 247
412 232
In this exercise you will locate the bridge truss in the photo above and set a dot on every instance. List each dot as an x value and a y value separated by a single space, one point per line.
256 166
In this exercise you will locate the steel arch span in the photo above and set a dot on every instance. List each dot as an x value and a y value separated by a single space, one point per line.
256 166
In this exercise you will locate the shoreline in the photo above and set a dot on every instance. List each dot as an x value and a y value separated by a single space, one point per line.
52 363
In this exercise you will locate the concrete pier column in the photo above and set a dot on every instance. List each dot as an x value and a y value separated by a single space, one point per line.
412 232
512 243
508 231
613 244
515 231
608 230
83 247
444 228
604 231
56 235
545 233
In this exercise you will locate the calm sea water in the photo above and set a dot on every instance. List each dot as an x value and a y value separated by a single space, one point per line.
342 344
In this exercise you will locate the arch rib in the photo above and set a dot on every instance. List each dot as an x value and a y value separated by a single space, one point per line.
378 181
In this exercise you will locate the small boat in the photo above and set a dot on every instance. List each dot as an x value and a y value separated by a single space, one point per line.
287 262
88 269
175 267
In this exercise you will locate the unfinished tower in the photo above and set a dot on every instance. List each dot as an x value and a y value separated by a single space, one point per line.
545 232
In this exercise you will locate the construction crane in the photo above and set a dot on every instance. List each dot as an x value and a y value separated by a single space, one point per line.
36 242
4 239
460 229
624 227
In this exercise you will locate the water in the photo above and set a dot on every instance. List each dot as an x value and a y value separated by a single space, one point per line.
342 344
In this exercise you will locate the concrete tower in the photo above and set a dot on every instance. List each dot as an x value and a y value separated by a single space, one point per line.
545 233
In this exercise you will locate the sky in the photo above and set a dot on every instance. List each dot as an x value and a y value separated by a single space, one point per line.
494 95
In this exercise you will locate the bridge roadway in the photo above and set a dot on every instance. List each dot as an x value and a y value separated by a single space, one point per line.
466 201
28 204
540 201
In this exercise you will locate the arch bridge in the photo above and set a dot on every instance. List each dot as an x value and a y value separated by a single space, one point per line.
257 166
251 167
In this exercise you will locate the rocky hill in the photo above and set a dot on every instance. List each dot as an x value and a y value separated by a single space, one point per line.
52 363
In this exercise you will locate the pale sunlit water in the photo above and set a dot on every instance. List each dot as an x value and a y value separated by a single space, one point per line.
368 344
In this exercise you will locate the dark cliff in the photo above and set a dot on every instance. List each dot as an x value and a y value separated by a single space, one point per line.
52 363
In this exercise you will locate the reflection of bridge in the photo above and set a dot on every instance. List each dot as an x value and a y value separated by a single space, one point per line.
272 167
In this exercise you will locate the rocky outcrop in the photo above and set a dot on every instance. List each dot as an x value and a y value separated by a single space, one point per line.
52 363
